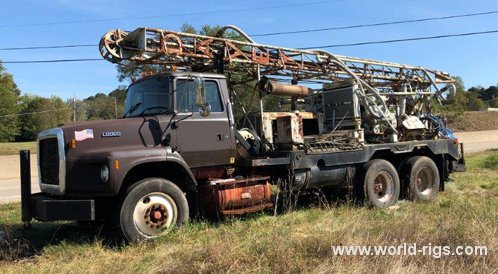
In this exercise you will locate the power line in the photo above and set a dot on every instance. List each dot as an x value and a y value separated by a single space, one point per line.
30 113
404 40
379 24
263 7
52 61
277 33
48 47
303 48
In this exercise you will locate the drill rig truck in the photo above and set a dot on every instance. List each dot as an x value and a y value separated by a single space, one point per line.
360 126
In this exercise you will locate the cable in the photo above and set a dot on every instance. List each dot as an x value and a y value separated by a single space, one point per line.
403 40
29 113
284 32
52 61
48 47
303 48
379 24
263 7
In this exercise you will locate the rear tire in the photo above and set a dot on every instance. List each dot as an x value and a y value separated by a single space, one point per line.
152 206
380 184
422 178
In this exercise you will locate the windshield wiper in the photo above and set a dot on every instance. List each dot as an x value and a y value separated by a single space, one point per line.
132 109
154 107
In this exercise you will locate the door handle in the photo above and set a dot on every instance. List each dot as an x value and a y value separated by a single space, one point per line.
220 136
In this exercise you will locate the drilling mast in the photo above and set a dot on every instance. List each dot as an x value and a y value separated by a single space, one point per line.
390 92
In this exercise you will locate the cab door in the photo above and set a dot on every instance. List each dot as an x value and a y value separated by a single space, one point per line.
203 141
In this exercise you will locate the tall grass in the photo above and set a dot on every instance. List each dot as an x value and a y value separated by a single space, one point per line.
299 241
491 161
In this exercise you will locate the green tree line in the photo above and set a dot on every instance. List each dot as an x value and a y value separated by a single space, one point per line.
23 116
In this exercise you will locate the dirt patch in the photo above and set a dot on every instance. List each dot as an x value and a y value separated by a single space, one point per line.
473 121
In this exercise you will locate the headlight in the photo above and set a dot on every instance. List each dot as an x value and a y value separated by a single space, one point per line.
104 173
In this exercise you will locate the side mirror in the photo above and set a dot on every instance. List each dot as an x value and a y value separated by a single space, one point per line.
200 97
205 110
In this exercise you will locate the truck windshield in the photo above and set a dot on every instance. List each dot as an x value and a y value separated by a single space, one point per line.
148 97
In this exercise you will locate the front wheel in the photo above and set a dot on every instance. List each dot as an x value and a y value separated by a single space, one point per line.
151 207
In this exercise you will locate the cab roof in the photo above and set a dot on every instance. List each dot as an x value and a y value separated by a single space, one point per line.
182 74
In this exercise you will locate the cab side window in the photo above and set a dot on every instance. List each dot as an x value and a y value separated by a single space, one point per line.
185 96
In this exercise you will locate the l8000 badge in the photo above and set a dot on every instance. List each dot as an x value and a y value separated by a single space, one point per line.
111 134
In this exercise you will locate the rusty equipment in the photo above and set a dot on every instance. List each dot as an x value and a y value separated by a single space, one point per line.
279 89
237 196
375 79
388 92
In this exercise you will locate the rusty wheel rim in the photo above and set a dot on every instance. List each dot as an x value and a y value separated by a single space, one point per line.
424 180
108 45
154 213
383 186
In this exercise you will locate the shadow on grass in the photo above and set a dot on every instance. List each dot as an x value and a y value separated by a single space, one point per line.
19 243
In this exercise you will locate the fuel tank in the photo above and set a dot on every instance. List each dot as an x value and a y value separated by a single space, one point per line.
320 176
236 196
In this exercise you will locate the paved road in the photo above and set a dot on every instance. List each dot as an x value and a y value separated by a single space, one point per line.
10 187
480 146
475 141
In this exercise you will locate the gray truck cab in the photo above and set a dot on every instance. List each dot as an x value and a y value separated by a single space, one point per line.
200 129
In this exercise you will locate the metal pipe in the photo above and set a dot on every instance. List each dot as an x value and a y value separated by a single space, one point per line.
24 156
279 89
261 110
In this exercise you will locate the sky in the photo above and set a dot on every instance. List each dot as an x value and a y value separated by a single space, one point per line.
45 23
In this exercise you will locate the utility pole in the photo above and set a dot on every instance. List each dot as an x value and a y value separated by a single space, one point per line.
74 109
116 107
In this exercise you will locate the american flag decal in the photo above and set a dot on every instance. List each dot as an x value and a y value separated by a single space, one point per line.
83 135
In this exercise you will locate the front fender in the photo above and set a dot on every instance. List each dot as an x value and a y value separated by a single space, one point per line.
122 162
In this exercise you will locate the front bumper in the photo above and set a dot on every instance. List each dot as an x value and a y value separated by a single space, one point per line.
43 207
46 208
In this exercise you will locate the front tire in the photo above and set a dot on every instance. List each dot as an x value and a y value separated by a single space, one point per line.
380 184
152 206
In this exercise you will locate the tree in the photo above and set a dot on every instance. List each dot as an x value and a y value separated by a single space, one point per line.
119 95
39 113
81 109
474 103
186 27
209 30
470 100
458 102
494 103
100 107
9 94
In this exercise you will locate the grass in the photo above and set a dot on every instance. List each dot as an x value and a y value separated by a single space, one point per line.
14 147
299 241
491 161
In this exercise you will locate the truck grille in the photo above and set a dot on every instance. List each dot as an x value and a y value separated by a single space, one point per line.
49 161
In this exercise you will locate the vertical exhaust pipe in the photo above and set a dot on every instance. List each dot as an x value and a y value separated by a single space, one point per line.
25 157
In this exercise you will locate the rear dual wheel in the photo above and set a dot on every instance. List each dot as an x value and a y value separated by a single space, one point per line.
421 176
381 185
